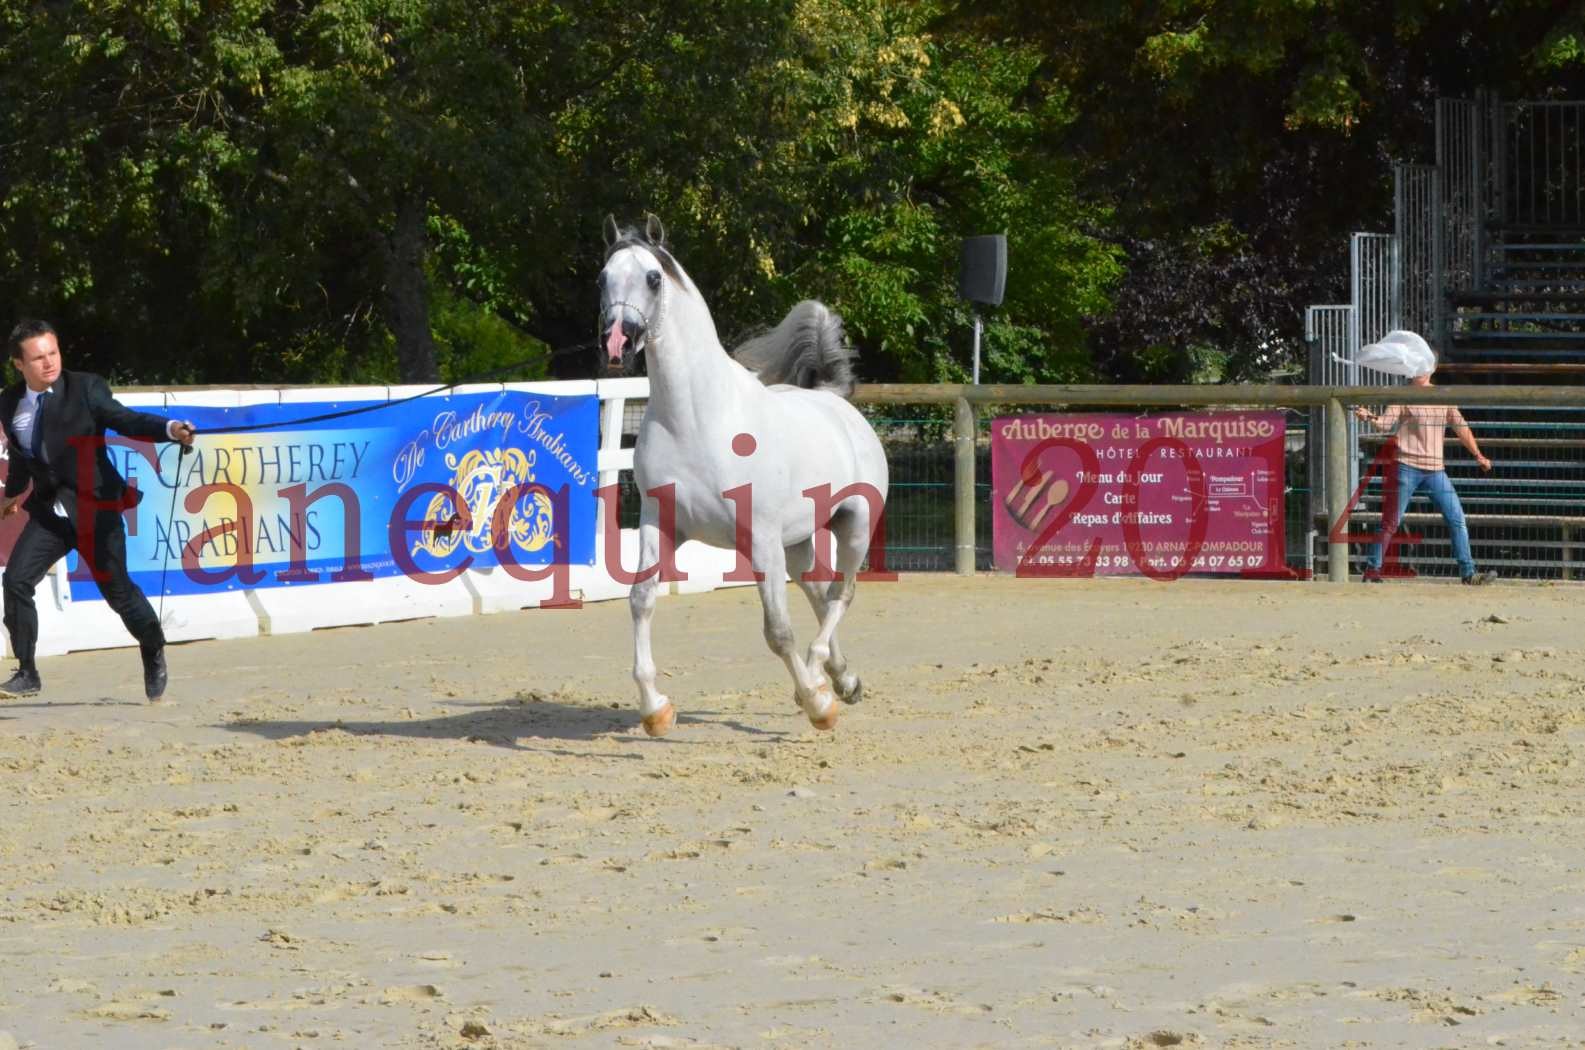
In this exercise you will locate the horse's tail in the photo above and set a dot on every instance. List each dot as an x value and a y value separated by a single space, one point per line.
808 349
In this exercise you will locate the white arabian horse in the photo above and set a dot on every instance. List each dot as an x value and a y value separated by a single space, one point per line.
774 418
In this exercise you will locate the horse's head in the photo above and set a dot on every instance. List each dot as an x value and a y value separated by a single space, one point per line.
633 290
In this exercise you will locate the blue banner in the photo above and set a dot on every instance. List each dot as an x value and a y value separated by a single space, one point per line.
423 488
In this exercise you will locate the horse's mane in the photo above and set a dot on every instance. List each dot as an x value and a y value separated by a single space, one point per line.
809 348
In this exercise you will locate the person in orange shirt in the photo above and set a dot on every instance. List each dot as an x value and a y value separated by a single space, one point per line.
1420 432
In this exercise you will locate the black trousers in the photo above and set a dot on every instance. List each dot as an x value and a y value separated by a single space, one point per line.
44 540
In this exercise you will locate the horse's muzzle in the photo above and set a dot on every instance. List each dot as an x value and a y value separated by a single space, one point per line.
621 329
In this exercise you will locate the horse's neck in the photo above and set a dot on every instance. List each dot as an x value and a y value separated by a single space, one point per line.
691 379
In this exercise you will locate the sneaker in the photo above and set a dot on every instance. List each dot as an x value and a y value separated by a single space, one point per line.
23 683
154 673
1480 579
1370 576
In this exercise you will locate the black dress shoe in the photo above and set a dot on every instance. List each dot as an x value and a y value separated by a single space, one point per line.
154 673
23 683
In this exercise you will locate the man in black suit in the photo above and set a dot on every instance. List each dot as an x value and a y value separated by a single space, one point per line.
55 423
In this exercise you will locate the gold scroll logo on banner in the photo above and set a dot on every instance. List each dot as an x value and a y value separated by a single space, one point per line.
481 478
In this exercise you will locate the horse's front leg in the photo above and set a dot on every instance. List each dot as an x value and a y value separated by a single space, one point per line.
655 709
810 688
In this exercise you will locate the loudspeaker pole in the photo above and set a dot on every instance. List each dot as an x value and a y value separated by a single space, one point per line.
982 276
976 348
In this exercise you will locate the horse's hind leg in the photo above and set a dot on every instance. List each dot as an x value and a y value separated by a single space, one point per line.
655 709
800 559
851 527
812 692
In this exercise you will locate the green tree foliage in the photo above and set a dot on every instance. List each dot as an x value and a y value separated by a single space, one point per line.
911 140
852 150
409 189
118 158
244 191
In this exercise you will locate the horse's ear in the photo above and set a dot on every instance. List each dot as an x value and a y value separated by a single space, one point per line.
610 230
653 229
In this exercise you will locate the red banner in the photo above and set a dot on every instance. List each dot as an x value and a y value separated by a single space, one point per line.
1157 495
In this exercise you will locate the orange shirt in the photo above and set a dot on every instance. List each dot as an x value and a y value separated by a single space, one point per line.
1421 430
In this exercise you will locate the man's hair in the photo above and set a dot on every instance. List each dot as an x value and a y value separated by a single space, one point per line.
24 331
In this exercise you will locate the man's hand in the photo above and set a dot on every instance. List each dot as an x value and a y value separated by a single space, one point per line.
183 431
1485 464
1361 412
9 507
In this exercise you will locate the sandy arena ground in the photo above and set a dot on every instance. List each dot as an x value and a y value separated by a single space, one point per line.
1099 813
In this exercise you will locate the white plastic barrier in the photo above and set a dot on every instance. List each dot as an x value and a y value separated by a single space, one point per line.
65 625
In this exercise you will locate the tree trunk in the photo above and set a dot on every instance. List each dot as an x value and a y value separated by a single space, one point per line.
407 293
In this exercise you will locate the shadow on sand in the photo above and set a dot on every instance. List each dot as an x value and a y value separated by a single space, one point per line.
515 724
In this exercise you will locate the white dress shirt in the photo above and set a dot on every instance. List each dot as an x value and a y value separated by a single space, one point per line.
27 411
22 423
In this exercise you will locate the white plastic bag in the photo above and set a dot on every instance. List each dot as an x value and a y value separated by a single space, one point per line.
1399 353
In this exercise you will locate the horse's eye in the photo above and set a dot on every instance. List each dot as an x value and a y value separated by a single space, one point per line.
599 282
653 278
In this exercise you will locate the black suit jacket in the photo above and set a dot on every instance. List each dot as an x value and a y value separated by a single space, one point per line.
81 406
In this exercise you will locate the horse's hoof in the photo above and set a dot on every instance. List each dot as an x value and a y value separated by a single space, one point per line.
853 693
828 721
660 722
825 702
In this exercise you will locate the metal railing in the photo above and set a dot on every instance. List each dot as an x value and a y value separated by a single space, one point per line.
1540 163
1417 205
1465 190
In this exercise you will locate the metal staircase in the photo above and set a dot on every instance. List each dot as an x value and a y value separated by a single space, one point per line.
1487 260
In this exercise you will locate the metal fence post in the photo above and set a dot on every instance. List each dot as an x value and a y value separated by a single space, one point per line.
1337 491
964 431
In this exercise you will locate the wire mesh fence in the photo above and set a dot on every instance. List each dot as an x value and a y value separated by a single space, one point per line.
920 516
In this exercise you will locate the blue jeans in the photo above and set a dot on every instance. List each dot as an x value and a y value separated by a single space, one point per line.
1440 489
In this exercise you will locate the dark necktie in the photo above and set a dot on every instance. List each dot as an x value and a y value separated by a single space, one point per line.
38 425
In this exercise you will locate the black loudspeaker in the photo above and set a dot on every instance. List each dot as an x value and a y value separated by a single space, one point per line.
982 275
